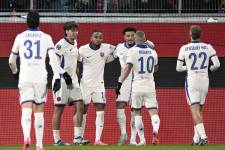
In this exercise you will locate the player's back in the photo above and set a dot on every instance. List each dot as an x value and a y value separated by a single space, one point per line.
32 46
197 56
143 60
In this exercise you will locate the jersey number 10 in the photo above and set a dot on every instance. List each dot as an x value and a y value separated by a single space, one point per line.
146 65
30 48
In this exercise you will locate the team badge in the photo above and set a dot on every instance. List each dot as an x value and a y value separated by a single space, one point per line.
58 47
102 54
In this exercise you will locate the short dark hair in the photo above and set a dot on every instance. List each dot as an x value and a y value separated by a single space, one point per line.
129 29
95 30
70 25
195 31
33 19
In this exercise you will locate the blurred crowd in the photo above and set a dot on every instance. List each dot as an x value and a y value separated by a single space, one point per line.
121 6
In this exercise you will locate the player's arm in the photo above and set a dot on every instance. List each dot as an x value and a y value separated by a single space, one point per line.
156 67
60 55
150 44
215 60
12 59
216 63
125 72
112 55
180 62
54 63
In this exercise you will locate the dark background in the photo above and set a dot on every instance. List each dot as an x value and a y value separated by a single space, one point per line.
165 77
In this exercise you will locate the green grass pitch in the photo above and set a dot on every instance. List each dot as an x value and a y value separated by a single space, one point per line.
115 147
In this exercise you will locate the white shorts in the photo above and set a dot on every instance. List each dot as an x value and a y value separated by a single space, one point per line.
67 96
125 93
32 92
140 99
196 91
96 94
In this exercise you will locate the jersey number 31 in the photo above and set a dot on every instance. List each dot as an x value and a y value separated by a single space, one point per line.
30 48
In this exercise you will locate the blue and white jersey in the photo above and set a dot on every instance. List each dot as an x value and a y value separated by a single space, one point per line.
32 47
196 55
121 52
94 63
144 61
69 55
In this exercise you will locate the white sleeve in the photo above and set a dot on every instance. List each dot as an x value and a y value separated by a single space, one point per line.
59 52
155 55
80 57
13 56
53 59
214 59
130 57
216 63
150 44
212 51
112 55
180 61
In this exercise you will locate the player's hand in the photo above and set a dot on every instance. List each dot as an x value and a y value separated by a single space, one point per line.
118 86
68 80
57 85
16 75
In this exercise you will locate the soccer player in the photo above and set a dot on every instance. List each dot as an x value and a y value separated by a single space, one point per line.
125 91
197 55
70 92
32 46
94 56
142 60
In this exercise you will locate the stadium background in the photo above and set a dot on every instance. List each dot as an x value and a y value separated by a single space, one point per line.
176 123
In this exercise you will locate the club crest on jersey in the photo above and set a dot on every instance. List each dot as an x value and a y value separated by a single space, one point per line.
58 47
102 54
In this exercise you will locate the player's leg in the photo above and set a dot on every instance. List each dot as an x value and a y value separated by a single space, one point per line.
133 128
83 125
40 94
153 112
78 117
192 98
39 125
26 100
99 101
26 123
203 94
121 103
60 100
193 95
137 102
198 121
86 94
77 121
56 122
121 118
152 105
